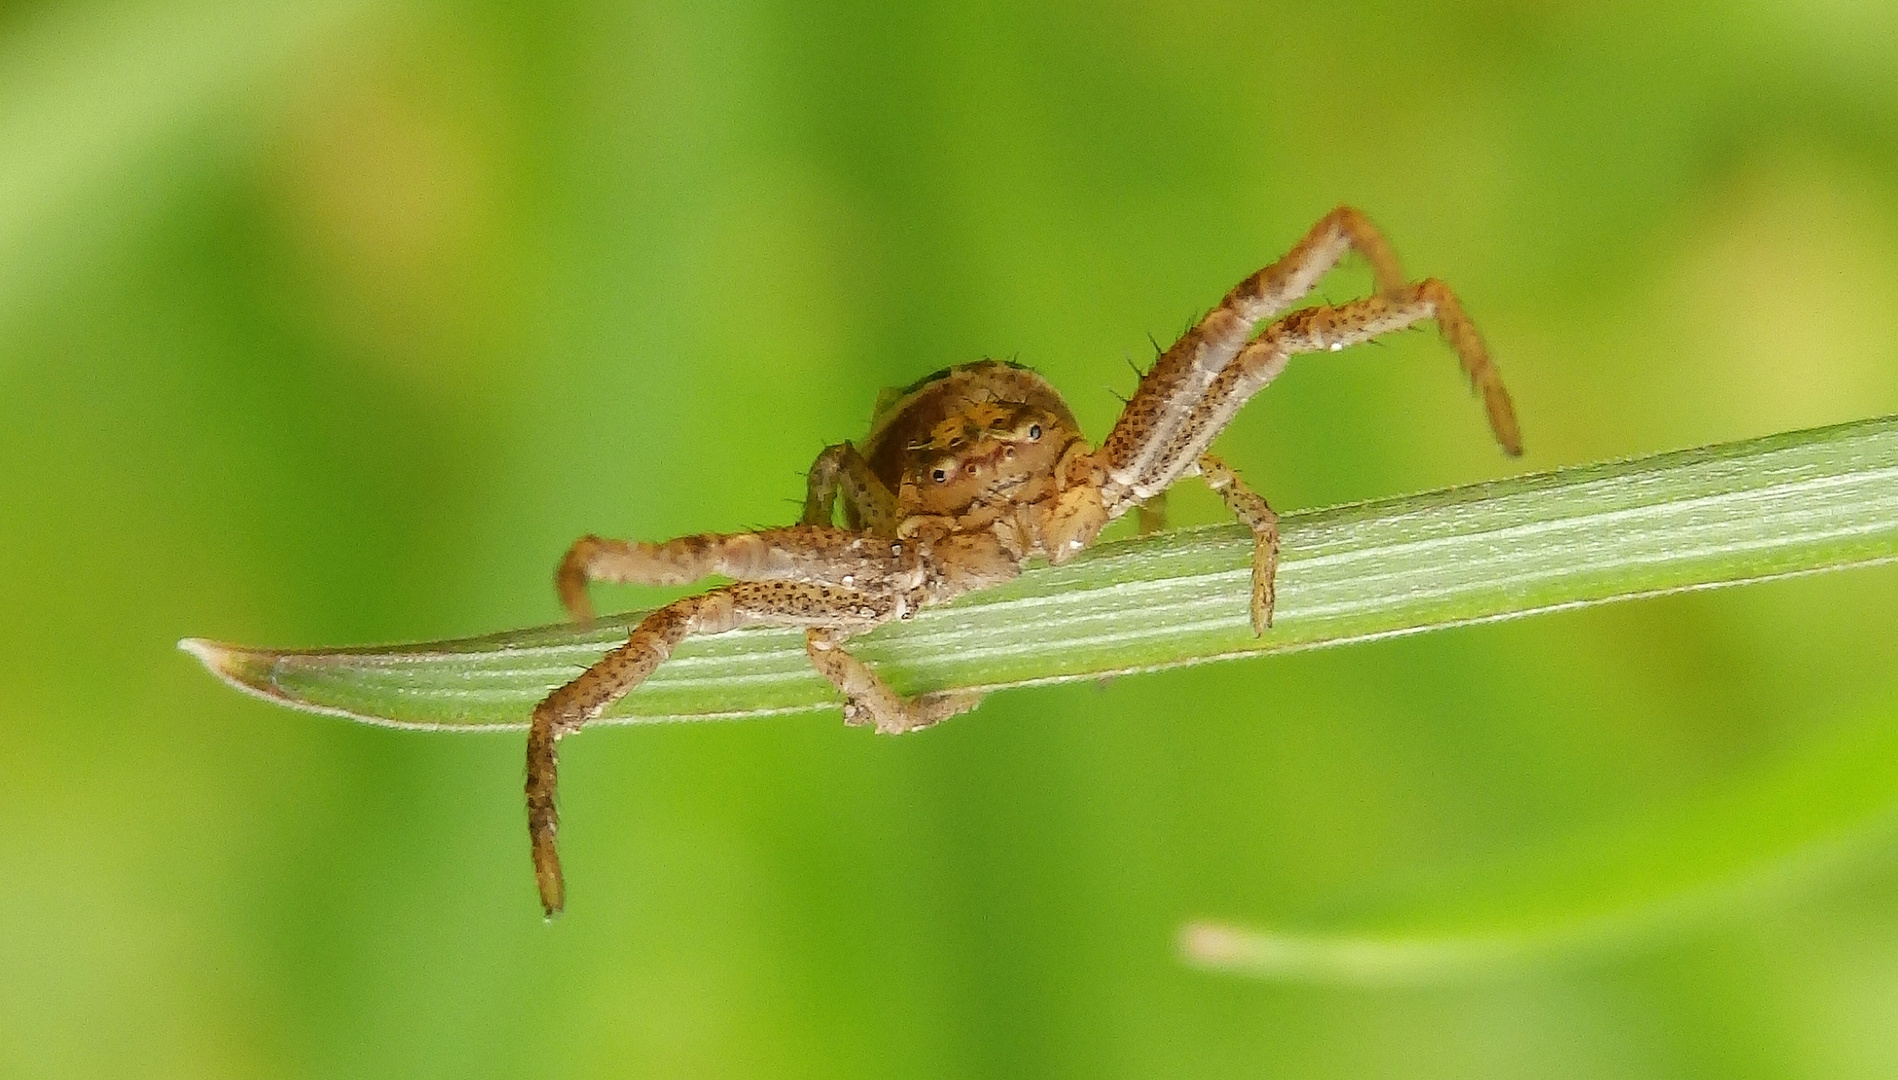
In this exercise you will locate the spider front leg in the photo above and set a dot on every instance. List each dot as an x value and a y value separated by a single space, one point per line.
568 708
1328 328
1317 329
1185 373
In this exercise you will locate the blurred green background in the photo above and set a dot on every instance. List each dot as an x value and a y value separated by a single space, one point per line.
335 321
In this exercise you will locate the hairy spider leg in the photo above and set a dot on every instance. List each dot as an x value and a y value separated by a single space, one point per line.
869 700
816 554
1184 374
841 470
1316 329
1250 508
1327 328
568 708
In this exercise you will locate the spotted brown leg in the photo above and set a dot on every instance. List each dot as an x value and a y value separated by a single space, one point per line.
1250 508
841 470
1328 328
869 700
811 553
1186 372
563 712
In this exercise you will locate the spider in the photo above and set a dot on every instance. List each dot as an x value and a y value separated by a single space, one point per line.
967 475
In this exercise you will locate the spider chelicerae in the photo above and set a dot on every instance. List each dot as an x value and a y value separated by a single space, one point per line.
970 473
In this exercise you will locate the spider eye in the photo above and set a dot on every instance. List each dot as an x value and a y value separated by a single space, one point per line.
1034 432
939 475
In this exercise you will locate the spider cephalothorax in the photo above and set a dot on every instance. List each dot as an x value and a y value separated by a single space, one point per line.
979 436
967 475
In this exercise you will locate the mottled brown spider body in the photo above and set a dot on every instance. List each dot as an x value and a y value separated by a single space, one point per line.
969 474
985 433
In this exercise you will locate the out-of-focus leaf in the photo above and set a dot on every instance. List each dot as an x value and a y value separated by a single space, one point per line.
1733 845
89 93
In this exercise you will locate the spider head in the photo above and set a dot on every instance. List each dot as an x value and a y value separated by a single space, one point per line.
986 453
977 436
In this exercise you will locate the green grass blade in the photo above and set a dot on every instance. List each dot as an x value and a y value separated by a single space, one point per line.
1769 507
1739 844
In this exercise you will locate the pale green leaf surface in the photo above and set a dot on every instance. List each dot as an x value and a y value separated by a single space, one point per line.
1768 507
